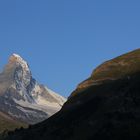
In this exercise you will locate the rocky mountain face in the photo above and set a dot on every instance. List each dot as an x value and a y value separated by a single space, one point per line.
22 98
106 106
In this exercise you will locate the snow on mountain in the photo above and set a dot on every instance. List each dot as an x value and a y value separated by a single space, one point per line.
22 97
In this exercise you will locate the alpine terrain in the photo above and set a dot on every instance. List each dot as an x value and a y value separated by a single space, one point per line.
105 106
23 100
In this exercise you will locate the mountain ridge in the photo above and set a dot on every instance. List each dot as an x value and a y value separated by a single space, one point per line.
116 68
108 110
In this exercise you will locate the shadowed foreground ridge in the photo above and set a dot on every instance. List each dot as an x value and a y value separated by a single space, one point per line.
107 106
116 68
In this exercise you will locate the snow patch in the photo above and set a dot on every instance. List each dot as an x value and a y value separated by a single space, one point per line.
49 109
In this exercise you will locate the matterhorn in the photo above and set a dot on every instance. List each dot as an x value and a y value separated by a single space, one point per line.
22 98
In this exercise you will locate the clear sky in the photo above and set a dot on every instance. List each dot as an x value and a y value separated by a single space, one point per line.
64 40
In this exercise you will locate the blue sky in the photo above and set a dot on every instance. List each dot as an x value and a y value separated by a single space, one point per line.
64 40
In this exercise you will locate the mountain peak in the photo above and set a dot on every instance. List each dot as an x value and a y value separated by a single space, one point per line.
22 97
16 55
16 58
18 61
17 68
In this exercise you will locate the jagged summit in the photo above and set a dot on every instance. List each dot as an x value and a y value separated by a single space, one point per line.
18 60
16 55
22 97
18 69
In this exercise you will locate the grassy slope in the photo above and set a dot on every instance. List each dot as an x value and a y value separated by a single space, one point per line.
6 123
122 66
